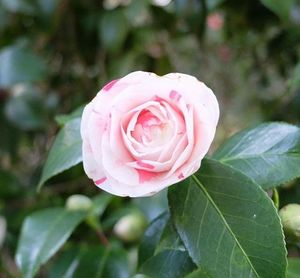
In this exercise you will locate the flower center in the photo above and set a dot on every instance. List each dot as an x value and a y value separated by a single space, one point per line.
151 130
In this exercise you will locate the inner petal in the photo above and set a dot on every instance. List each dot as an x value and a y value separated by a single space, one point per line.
151 130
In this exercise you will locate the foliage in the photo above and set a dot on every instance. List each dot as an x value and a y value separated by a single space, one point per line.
223 221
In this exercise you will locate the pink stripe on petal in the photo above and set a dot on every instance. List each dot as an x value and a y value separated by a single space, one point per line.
144 165
100 181
109 85
145 175
175 95
158 98
181 176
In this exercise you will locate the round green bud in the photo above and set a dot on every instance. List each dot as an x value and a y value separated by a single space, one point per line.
79 202
130 227
290 218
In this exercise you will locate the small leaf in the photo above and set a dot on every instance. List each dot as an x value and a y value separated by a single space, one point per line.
268 153
65 151
293 270
18 65
43 233
228 224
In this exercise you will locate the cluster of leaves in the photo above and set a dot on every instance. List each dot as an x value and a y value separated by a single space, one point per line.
220 221
54 56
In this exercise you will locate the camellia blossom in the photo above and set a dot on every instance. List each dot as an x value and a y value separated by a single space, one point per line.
144 132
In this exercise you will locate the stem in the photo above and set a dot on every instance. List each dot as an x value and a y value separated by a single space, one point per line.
94 223
276 198
102 237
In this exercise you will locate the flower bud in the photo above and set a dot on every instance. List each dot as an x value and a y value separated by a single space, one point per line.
130 227
79 202
290 218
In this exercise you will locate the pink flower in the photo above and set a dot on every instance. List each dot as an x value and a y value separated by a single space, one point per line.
144 132
215 21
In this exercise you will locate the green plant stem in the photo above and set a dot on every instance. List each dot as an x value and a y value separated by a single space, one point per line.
93 222
276 198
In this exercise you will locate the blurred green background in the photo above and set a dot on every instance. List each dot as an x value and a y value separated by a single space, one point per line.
55 55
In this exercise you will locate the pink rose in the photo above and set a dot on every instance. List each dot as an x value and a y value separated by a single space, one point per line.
144 132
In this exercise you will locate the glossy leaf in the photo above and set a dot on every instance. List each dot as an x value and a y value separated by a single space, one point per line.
18 65
65 151
43 233
269 153
168 264
152 206
162 253
293 270
92 262
228 224
169 239
151 237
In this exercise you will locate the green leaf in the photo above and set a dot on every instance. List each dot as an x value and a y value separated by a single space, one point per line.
18 65
293 270
169 239
282 8
65 151
91 262
63 119
113 30
43 233
117 264
65 265
161 253
199 273
228 224
168 264
151 237
100 202
152 206
268 153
